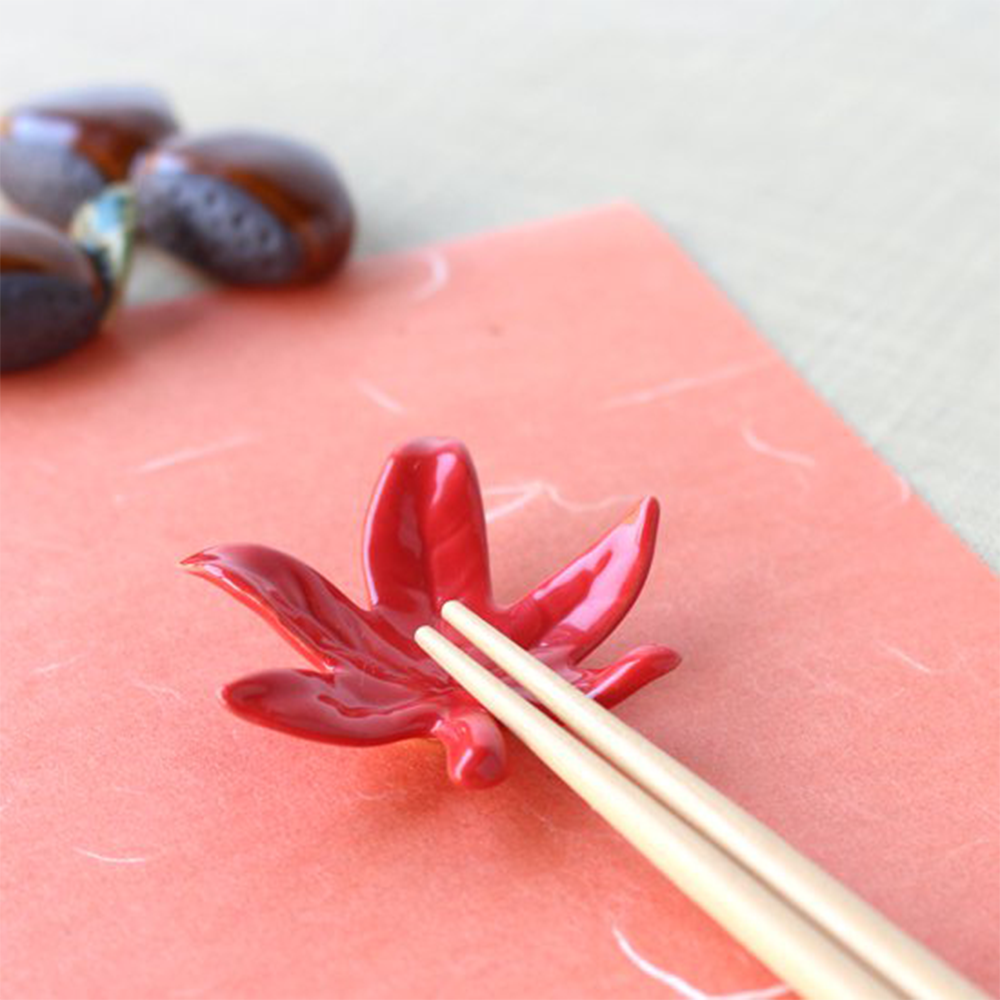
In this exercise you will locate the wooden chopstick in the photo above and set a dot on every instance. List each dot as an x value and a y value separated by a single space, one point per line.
901 960
805 925
786 941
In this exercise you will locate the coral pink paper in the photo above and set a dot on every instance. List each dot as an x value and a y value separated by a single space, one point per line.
839 642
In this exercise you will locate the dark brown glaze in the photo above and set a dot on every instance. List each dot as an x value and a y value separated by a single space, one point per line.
52 298
105 125
298 186
30 247
60 150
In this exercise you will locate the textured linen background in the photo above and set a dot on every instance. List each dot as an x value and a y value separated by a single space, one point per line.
832 165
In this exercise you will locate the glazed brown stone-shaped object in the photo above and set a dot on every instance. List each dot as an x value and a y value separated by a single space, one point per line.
248 207
52 296
58 150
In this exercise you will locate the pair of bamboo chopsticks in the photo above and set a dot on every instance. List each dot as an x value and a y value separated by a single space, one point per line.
807 927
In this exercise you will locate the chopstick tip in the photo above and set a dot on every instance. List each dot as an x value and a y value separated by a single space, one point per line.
424 633
451 609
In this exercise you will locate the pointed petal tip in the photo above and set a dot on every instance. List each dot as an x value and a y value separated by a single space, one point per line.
254 696
309 704
637 668
275 699
475 748
431 450
668 659
655 661
197 562
231 555
578 607
647 509
424 447
194 563
479 771
241 695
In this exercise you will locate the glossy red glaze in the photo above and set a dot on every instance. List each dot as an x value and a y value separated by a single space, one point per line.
297 184
106 125
30 247
424 544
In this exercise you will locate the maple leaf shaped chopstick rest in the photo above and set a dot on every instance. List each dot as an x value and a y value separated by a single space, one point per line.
425 544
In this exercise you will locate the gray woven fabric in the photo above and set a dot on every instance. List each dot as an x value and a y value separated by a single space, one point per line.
833 165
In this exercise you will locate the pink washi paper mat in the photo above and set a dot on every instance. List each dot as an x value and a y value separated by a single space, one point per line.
839 641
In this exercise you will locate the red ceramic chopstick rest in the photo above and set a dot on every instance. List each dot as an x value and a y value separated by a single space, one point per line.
425 544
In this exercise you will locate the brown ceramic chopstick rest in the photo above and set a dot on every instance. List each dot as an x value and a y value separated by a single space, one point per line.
55 288
60 149
248 207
